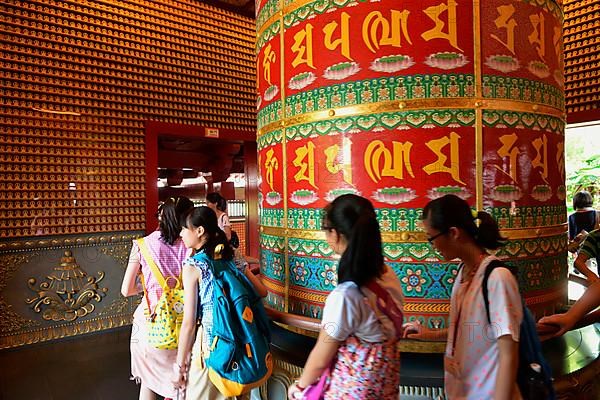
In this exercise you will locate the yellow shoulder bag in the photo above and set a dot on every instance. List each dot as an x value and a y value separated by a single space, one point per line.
164 322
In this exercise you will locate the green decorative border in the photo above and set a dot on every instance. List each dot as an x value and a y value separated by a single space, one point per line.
269 9
268 114
388 120
310 248
304 218
309 10
267 35
275 301
541 273
421 87
409 219
380 90
517 249
269 139
513 119
504 87
532 216
271 217
322 6
270 242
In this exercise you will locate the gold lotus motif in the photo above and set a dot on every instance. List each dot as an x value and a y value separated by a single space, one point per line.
68 292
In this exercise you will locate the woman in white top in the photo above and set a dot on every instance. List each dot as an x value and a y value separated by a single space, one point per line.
481 358
218 204
356 339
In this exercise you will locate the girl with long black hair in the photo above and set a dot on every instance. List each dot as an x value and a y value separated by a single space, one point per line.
357 341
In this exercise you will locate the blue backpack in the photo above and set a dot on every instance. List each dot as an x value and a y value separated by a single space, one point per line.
240 356
534 375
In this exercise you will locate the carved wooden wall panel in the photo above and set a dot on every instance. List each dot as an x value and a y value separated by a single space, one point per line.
80 79
582 59
64 286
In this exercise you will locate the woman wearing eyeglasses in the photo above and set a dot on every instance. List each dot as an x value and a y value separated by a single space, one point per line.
152 367
481 358
357 340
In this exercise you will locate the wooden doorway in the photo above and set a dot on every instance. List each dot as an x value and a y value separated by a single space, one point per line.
176 151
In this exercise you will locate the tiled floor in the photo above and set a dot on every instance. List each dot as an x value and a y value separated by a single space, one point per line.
94 367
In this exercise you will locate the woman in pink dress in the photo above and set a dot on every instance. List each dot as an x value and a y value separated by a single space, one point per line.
151 367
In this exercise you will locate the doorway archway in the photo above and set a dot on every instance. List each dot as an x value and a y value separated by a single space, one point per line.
175 146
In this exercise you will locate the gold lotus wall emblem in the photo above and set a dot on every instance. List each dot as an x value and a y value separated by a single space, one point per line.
68 292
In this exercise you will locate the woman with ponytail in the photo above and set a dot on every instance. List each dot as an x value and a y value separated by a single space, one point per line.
357 341
201 233
481 357
150 367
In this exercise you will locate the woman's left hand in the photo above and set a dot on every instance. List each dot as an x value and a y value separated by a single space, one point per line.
180 376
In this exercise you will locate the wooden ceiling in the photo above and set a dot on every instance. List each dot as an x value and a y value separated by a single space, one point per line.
243 7
208 156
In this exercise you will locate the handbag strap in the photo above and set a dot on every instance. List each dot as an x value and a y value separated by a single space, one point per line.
150 313
150 261
387 305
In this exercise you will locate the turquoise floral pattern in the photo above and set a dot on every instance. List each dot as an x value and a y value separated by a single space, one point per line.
299 272
329 274
413 280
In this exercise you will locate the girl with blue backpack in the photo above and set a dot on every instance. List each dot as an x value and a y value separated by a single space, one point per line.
201 233
356 355
482 355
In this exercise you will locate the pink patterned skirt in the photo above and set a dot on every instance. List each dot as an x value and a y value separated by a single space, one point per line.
365 371
151 367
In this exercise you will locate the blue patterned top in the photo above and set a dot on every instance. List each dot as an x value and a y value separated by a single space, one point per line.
205 296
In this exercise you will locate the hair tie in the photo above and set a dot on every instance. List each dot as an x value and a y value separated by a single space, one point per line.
217 252
475 214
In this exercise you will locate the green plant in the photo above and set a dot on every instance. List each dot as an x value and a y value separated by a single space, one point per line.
584 178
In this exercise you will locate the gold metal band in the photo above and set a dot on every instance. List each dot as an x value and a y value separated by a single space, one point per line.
413 236
414 104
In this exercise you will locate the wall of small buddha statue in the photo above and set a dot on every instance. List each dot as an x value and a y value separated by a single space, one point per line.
81 80
581 39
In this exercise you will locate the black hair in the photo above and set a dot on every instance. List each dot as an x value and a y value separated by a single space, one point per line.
205 217
354 217
171 212
217 199
452 211
582 199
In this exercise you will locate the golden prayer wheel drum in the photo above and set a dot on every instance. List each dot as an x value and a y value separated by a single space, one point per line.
404 102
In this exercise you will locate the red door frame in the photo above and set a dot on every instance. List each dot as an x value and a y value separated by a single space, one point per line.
154 129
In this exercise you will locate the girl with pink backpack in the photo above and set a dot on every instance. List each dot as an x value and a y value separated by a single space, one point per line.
356 356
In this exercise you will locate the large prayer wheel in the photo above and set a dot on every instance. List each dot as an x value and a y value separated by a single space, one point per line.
403 102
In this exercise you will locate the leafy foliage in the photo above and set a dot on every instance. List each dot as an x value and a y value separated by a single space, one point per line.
585 178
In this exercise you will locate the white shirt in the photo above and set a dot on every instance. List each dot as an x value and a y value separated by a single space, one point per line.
350 310
476 349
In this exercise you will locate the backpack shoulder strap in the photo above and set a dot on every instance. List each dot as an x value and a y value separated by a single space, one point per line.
484 283
150 261
386 305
